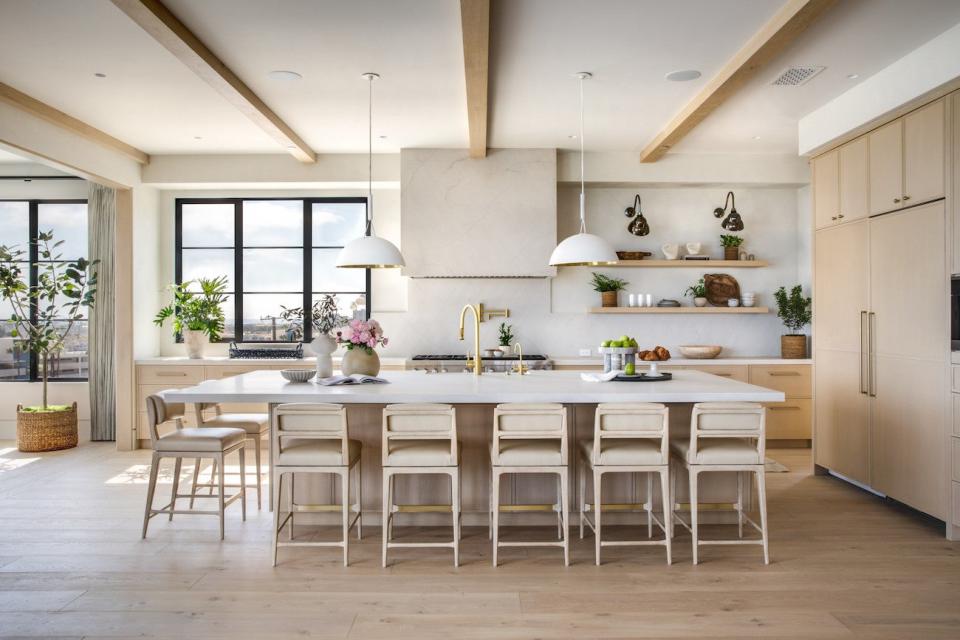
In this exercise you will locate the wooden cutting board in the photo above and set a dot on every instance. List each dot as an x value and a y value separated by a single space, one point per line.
720 288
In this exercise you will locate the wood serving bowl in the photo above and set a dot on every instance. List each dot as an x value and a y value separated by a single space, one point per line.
700 351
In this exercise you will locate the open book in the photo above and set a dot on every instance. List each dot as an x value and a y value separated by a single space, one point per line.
357 378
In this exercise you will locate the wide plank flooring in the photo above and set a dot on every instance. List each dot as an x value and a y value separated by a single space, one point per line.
845 564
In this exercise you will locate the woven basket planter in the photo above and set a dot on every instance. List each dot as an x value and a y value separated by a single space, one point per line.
608 298
793 346
46 431
731 253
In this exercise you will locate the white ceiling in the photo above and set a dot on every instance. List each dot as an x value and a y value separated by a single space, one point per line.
6 157
149 99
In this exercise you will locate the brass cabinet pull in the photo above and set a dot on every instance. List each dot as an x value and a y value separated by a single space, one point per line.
864 353
170 374
896 199
873 354
785 408
840 216
723 375
784 374
833 217
905 198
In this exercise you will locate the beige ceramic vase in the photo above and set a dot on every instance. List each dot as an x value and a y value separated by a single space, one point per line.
359 361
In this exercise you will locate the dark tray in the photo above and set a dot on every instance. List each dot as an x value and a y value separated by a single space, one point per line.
265 352
643 377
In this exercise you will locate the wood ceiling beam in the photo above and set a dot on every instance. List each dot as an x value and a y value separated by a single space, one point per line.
65 121
167 29
788 24
475 22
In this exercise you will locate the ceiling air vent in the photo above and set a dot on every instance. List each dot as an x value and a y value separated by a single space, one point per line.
795 76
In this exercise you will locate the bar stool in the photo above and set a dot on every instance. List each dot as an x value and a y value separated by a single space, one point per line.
530 438
627 438
256 426
190 443
420 439
727 437
314 438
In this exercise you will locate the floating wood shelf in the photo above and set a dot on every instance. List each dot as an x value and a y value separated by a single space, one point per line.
679 310
692 264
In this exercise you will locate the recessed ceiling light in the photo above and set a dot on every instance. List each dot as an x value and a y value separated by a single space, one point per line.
198 137
382 137
100 75
281 74
756 137
572 137
853 76
683 75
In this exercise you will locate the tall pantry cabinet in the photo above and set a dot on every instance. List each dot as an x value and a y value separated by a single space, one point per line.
881 297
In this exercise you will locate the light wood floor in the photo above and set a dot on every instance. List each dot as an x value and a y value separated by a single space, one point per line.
844 564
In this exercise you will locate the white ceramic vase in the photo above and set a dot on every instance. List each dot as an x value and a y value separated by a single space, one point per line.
196 342
323 347
700 302
670 251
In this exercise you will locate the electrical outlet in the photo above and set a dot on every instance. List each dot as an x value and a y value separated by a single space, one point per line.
584 352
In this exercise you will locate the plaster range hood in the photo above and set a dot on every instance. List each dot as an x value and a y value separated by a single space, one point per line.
493 217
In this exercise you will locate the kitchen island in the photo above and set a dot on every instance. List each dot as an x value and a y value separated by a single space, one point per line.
475 397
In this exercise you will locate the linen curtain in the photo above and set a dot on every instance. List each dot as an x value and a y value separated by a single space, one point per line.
101 217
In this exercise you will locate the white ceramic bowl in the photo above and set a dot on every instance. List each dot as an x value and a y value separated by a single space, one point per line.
700 351
298 375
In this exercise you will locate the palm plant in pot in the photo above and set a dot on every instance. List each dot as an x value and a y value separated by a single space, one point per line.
325 317
43 317
197 315
794 310
608 288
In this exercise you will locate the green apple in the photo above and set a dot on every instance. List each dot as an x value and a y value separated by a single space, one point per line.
633 342
630 369
605 343
625 339
615 344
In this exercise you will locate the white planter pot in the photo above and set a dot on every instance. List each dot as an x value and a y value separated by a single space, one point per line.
700 302
195 342
323 347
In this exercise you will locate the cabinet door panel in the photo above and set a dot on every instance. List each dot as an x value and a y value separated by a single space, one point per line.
842 415
841 281
826 189
923 154
908 283
886 167
854 180
907 459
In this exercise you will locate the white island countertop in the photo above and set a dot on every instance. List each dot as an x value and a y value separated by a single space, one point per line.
465 388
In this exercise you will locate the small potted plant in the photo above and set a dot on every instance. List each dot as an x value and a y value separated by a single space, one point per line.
506 337
325 317
197 316
699 293
608 288
731 246
794 310
361 337
42 318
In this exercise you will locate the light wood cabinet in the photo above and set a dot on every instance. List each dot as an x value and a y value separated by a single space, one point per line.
826 188
789 420
842 418
841 285
793 380
886 167
854 181
923 154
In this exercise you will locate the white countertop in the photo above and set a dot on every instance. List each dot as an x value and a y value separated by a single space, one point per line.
224 360
574 361
464 388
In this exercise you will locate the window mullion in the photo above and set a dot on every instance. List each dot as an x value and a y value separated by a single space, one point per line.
34 253
307 270
238 270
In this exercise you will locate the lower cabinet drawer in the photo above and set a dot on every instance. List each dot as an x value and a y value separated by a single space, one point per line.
219 372
793 380
170 375
740 373
790 420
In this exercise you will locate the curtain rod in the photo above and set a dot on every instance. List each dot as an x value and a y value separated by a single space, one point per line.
31 178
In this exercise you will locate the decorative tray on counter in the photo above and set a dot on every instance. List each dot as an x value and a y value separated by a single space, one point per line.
644 377
268 351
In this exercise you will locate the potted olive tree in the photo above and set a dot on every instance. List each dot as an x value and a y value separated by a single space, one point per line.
608 288
197 315
43 317
794 310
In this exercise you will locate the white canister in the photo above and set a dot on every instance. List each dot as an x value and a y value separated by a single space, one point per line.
649 299
632 300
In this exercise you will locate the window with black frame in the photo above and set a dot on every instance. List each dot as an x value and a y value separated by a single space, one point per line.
20 222
279 257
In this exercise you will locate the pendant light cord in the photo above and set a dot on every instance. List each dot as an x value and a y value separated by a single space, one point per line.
370 231
583 222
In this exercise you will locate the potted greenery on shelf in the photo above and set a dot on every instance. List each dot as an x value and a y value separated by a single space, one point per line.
197 315
325 317
794 310
506 337
608 288
42 318
699 293
731 246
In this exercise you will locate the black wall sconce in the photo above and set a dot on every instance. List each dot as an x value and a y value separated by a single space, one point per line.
733 221
639 225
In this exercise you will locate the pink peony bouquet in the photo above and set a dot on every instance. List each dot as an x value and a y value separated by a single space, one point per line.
362 335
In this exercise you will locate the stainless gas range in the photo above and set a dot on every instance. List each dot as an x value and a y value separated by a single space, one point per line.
457 362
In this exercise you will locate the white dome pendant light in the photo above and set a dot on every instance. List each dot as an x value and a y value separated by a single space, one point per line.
370 251
582 249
